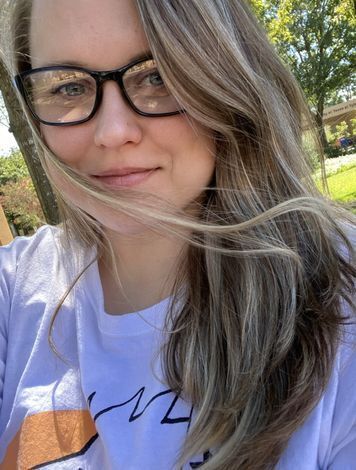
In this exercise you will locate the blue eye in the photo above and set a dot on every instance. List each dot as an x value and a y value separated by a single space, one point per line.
155 79
71 89
147 79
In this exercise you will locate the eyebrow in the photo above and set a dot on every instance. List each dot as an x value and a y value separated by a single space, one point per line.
74 63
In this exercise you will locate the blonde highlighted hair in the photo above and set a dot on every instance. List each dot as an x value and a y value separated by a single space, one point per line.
254 343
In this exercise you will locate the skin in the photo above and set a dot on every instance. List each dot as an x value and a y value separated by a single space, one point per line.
103 36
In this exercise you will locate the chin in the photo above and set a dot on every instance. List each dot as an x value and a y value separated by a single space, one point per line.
114 222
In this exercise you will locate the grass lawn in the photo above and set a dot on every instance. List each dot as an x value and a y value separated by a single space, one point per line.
341 177
342 185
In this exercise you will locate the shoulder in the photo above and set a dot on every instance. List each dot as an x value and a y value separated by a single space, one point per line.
327 439
45 237
17 275
38 266
33 270
340 402
21 251
346 241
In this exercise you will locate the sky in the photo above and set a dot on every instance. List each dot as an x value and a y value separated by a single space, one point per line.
7 141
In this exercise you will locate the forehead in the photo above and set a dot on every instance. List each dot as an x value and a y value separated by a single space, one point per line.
101 34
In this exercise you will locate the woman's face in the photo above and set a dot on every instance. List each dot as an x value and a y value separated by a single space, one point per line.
169 157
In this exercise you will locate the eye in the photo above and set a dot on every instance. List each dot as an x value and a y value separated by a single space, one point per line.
155 79
144 80
71 89
148 79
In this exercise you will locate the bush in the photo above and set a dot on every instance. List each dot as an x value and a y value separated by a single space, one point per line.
333 152
17 194
21 205
12 168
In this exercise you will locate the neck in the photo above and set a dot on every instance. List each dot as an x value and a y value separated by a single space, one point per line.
146 267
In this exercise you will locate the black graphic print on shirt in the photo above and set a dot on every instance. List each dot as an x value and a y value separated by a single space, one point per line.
50 438
139 410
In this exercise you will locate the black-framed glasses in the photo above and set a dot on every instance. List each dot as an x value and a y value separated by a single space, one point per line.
65 95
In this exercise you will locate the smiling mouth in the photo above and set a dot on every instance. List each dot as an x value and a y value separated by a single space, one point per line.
125 178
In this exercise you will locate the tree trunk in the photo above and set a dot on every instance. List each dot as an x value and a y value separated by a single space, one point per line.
320 124
22 133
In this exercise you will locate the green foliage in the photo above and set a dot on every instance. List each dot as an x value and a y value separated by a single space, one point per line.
20 204
333 152
342 130
330 135
353 126
17 194
12 168
316 39
346 93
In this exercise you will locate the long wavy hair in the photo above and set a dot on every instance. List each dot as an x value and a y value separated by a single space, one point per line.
269 260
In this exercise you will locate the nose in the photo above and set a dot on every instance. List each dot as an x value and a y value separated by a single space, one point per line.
116 123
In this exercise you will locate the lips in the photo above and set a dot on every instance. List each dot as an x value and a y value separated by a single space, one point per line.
124 177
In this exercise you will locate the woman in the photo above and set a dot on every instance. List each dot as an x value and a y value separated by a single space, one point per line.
194 308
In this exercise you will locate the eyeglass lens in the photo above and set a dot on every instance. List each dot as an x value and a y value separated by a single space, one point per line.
69 95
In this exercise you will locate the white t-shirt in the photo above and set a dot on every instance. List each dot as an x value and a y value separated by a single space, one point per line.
104 404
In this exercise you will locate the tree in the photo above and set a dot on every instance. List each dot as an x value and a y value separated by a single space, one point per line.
340 130
21 206
19 127
12 168
316 39
17 194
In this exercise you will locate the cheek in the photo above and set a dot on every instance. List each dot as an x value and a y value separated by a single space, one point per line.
67 143
184 135
194 158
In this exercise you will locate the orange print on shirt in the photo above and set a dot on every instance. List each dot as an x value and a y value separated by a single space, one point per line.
48 437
